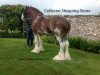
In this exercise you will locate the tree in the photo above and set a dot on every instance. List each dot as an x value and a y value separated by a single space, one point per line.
10 14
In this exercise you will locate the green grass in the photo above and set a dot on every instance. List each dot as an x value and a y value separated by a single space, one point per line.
16 59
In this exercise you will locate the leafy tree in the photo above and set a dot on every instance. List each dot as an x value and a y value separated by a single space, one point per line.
10 15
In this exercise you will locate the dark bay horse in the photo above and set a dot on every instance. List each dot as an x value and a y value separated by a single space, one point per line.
55 25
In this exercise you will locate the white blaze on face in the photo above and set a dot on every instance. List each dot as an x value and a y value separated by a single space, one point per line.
22 17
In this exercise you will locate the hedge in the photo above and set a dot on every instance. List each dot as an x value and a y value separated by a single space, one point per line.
12 35
75 42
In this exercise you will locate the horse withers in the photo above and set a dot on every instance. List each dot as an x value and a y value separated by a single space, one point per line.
54 25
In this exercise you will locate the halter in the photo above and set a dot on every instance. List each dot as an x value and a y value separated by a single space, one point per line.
26 14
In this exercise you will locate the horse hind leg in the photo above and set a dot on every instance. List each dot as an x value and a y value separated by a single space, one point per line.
60 55
63 53
38 44
67 55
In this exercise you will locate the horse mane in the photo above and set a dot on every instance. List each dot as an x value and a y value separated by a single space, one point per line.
35 9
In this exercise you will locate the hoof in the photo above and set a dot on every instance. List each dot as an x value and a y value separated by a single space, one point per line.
67 57
59 57
36 51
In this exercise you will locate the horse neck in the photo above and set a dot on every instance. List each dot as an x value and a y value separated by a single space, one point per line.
34 15
39 19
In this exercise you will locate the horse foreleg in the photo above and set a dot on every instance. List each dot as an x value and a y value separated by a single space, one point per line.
38 44
60 55
36 39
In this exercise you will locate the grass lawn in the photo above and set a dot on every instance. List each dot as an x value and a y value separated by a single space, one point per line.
16 59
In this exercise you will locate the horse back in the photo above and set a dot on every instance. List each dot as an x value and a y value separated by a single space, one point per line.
58 23
51 24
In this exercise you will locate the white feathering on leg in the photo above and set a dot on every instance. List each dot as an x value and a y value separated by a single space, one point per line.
60 55
67 55
38 44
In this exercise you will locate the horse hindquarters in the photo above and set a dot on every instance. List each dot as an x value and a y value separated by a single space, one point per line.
61 30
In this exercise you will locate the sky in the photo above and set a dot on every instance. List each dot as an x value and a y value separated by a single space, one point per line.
92 5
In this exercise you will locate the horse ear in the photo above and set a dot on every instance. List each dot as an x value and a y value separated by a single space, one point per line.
25 7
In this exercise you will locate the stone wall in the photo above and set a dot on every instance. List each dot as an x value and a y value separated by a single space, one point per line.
85 26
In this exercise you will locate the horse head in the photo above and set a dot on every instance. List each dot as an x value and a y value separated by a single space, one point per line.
31 12
25 13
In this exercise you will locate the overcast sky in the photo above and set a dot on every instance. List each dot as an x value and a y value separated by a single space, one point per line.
93 5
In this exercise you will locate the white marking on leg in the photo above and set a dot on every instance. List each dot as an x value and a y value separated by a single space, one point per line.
60 55
67 55
57 30
35 50
38 44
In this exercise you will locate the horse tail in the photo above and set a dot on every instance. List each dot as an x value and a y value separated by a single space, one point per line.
69 26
